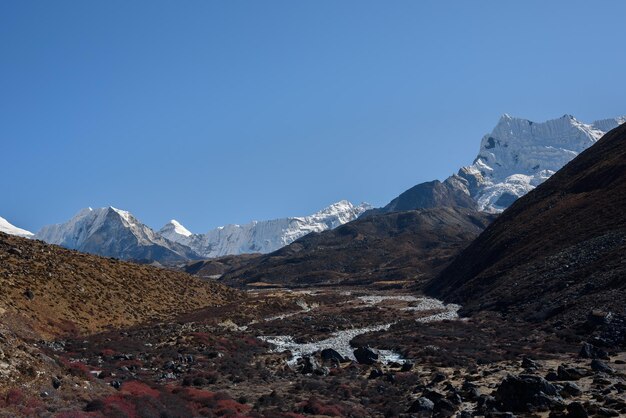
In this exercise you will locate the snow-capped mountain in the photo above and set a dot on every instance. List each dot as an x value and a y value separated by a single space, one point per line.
262 236
514 158
519 154
8 228
112 232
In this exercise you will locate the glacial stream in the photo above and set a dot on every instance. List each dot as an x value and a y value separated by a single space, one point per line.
425 310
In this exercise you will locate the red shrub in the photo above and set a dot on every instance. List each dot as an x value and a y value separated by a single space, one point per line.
137 388
314 406
13 397
107 352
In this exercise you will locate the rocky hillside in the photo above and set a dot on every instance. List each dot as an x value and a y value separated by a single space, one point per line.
58 291
559 252
400 246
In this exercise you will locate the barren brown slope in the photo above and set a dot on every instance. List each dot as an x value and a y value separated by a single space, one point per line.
557 252
56 291
401 246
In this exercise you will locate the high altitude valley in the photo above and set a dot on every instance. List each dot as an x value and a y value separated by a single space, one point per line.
498 292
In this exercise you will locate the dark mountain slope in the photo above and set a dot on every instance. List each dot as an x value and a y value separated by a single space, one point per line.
432 194
397 246
559 251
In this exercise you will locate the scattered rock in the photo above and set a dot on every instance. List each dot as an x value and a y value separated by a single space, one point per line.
570 373
309 365
422 406
29 294
437 378
444 408
570 389
407 367
517 393
576 410
330 355
14 251
365 355
600 366
592 352
529 364
375 374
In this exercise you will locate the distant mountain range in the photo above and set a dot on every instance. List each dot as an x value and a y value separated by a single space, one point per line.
112 232
513 159
116 233
264 236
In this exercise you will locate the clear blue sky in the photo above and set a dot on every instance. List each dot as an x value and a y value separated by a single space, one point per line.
216 112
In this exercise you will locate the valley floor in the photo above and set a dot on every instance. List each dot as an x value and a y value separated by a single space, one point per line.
231 361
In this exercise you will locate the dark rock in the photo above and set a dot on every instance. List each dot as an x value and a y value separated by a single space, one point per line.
592 352
14 251
552 377
455 398
365 355
576 410
330 355
29 294
56 383
570 373
433 395
422 406
607 412
570 389
528 363
116 384
517 393
600 366
598 317
437 378
307 365
444 408
375 374
407 367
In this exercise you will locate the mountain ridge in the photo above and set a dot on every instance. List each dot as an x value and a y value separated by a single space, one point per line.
264 236
557 252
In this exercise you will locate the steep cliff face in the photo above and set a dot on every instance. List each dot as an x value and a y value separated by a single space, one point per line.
517 156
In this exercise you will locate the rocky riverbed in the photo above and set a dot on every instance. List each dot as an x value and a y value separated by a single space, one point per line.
331 352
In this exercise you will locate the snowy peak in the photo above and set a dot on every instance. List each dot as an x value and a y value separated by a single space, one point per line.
520 154
113 232
8 228
174 229
264 236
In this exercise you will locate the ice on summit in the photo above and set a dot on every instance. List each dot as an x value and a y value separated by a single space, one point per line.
8 228
263 236
519 154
